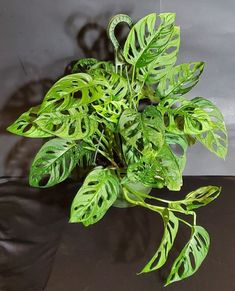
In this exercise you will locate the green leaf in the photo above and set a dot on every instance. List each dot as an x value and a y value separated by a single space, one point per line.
147 171
131 155
143 131
170 168
111 110
191 257
171 224
216 139
196 199
117 87
147 40
157 69
72 91
54 162
101 68
113 103
183 116
69 124
98 192
180 80
25 125
163 169
178 145
100 143
83 65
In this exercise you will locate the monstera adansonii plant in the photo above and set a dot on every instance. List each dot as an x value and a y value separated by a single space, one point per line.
126 127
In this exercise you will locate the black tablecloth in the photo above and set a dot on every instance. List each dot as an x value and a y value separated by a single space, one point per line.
39 250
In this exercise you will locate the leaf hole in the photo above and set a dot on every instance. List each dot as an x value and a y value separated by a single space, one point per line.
181 270
93 183
59 102
192 260
156 260
72 129
65 112
27 128
77 94
100 202
166 119
171 49
33 115
177 149
179 121
20 126
44 180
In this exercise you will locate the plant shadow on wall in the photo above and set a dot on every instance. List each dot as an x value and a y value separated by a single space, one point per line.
18 158
96 119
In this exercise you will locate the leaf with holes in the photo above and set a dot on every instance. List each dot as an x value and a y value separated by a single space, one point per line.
115 86
146 171
182 116
143 131
171 224
131 155
171 169
69 124
157 69
25 125
111 111
163 169
83 65
180 80
102 68
216 139
98 192
178 145
99 142
72 91
196 199
54 162
191 257
147 39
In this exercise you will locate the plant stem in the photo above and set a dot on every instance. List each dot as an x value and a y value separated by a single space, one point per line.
185 222
142 202
132 85
128 80
155 208
117 148
95 156
108 158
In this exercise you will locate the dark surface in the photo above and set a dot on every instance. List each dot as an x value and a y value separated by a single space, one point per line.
106 256
40 38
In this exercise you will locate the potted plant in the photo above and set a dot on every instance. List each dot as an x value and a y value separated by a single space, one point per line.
124 128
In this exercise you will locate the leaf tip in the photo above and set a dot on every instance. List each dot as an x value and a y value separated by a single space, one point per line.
72 220
140 272
10 129
168 282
